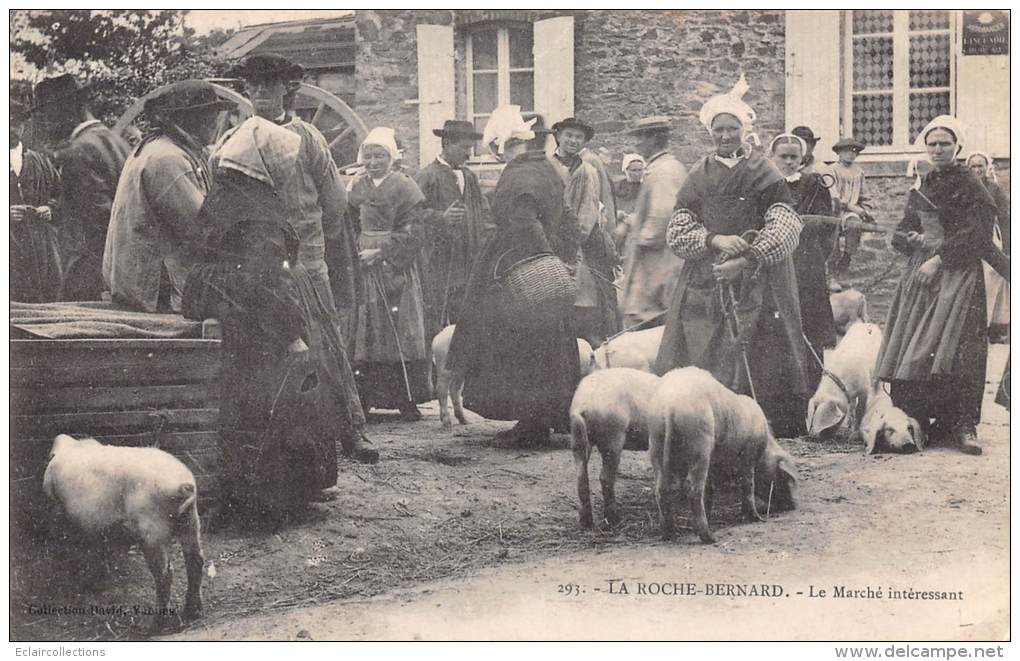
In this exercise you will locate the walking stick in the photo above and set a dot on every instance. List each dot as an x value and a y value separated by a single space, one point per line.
728 301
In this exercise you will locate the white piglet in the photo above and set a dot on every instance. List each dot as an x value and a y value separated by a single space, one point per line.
636 349
145 492
450 385
887 428
699 429
606 406
843 391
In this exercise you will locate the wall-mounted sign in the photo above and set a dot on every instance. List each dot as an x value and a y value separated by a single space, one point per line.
986 32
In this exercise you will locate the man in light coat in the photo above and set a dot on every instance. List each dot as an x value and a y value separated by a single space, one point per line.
650 268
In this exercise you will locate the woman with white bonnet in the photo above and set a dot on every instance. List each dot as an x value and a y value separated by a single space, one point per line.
519 364
626 189
935 345
390 352
810 196
735 227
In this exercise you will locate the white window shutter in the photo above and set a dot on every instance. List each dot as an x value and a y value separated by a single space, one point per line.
554 68
435 86
813 76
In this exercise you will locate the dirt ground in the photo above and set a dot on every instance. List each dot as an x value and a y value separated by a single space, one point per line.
445 504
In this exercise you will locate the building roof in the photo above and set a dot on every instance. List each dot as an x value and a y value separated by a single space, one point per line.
323 43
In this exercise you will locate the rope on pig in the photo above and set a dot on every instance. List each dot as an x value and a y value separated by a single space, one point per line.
864 289
374 277
768 507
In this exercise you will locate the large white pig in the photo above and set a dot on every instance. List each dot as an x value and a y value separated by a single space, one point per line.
144 491
698 429
608 404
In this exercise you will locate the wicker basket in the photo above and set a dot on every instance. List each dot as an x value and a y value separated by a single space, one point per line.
541 281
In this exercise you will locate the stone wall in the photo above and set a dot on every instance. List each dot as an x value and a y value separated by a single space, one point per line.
630 64
387 71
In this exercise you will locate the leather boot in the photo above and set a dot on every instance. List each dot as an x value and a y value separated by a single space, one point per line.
360 449
966 436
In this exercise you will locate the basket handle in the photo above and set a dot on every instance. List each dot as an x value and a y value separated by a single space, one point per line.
495 267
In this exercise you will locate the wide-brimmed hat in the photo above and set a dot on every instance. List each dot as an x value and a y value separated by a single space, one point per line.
58 90
574 123
187 96
456 128
267 65
849 143
647 124
806 134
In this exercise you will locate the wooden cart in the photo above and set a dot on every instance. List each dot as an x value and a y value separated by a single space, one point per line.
125 392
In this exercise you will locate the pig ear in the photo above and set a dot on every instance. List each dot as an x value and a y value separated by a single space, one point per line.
828 414
914 427
787 467
870 436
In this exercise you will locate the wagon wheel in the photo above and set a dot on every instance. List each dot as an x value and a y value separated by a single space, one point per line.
340 125
134 116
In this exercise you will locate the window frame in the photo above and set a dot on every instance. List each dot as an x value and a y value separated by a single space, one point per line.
502 71
901 89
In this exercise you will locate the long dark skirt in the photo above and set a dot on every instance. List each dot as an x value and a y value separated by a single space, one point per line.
935 347
35 262
517 367
383 386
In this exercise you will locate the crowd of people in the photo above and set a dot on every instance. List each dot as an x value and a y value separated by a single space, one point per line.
330 293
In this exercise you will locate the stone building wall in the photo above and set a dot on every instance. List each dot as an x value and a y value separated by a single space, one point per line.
387 71
633 64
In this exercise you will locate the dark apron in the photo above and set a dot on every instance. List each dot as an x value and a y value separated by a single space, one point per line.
697 328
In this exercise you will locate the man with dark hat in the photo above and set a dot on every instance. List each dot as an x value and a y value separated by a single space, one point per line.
457 224
34 249
807 164
90 158
151 243
596 315
316 200
650 268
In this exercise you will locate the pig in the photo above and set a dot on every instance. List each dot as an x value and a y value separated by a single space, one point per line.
450 385
143 492
697 427
606 406
842 393
886 427
636 349
848 306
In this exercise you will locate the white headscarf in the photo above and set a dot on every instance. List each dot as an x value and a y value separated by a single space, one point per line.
803 145
952 124
382 136
505 124
730 103
630 158
259 149
990 169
